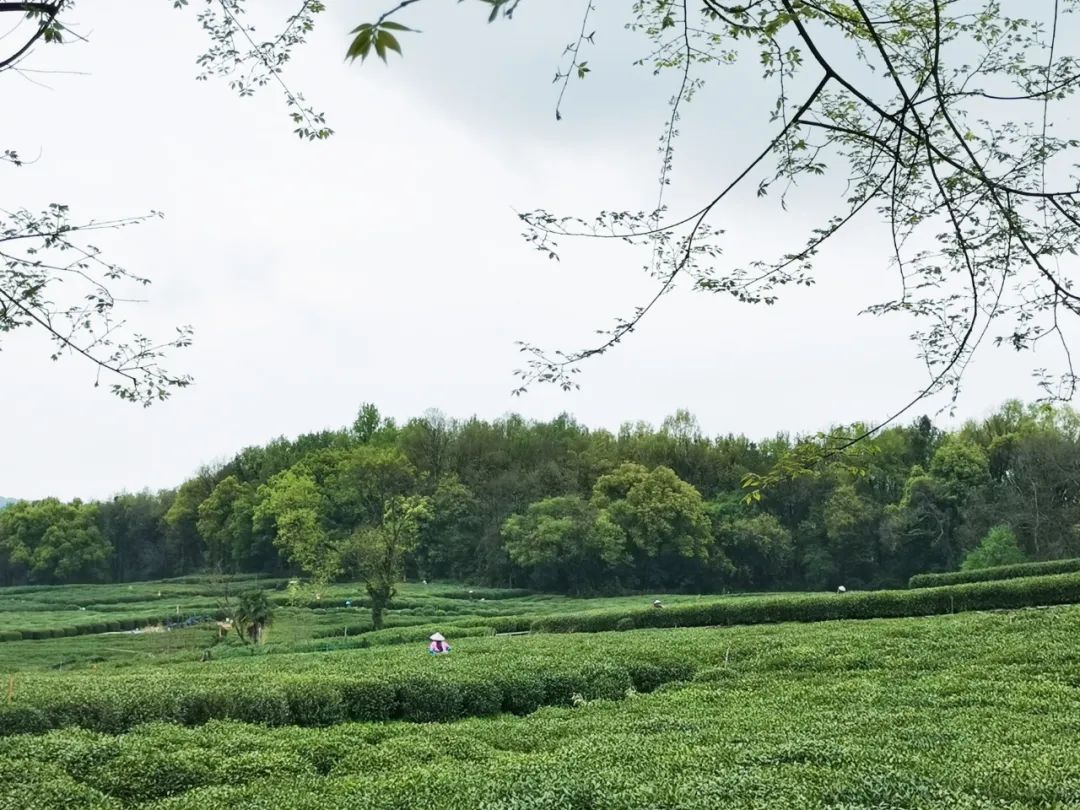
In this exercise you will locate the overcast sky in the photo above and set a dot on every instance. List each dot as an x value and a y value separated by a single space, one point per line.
385 265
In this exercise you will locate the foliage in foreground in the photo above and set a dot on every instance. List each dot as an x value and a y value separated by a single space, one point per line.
776 718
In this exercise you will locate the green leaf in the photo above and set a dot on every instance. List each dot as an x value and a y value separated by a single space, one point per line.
361 46
393 26
390 41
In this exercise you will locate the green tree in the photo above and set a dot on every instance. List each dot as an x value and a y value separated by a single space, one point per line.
253 615
999 547
369 427
961 466
133 525
225 523
565 542
851 530
663 518
53 542
289 507
376 553
182 518
356 483
753 549
449 541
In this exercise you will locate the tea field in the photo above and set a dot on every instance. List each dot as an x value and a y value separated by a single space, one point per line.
104 626
979 709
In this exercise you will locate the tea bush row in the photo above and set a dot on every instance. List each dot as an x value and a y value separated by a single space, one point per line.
987 702
99 624
1033 569
323 700
992 595
486 675
359 641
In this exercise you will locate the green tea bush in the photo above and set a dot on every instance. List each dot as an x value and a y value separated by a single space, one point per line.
39 625
428 699
314 703
482 675
997 594
1032 569
370 700
268 704
987 701
153 773
479 698
525 695
408 635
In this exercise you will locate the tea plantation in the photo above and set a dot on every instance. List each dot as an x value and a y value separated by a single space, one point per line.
975 709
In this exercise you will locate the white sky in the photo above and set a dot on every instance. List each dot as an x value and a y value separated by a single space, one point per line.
386 265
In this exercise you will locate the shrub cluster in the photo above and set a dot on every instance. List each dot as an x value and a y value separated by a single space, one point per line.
977 731
115 705
1033 569
994 594
99 624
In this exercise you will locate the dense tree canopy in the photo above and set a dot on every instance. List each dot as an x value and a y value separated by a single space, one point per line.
557 506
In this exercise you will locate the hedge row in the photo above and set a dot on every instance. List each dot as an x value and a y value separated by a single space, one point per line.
995 594
96 627
1034 569
321 700
359 641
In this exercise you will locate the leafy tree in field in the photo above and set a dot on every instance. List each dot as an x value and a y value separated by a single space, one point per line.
321 511
376 553
290 507
999 547
566 542
663 518
356 482
253 615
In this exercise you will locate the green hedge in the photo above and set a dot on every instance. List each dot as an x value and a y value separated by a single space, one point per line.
97 626
1010 593
1035 569
323 700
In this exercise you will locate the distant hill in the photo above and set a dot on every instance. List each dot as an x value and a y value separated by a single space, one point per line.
6 502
